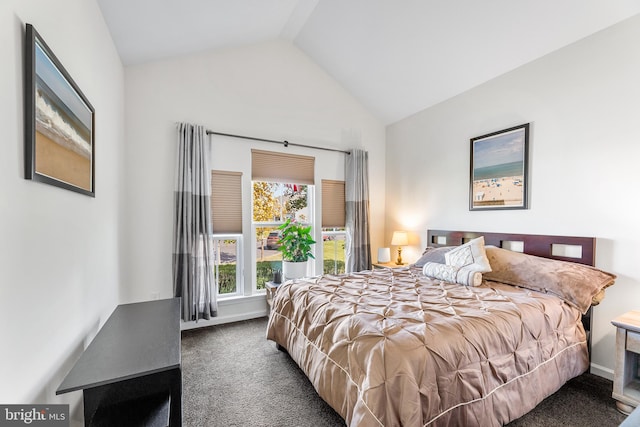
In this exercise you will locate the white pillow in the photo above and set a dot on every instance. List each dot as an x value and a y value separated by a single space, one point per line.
460 275
471 255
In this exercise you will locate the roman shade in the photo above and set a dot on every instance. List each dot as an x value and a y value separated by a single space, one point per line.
280 167
226 201
333 211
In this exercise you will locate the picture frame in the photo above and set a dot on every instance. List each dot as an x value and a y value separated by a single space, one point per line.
59 122
499 172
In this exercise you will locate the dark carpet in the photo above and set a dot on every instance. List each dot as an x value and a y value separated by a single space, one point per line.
233 376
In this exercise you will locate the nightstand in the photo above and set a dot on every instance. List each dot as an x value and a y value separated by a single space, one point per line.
387 265
271 288
626 382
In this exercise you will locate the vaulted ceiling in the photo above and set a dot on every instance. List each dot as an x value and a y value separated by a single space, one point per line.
396 57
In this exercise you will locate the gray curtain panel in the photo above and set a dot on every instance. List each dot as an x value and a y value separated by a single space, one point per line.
357 215
193 278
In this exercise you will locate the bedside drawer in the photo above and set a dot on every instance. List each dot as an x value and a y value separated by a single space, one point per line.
633 342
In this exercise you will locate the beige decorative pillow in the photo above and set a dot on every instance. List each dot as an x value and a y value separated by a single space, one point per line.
577 284
461 275
471 254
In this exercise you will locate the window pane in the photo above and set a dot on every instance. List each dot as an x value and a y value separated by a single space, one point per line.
226 252
333 251
268 257
266 206
274 202
294 202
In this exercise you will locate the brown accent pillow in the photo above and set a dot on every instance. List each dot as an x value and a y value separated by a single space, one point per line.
433 255
597 298
577 284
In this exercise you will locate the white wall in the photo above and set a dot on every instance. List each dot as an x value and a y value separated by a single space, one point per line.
59 250
269 90
582 103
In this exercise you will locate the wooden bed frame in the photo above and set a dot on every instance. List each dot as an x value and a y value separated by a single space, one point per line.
532 244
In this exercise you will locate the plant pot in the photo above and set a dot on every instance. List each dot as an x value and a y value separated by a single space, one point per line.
294 270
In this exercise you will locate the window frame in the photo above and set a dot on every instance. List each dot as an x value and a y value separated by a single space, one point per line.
333 233
311 189
238 237
254 252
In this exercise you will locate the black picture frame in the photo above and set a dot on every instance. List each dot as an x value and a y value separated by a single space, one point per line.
59 122
499 172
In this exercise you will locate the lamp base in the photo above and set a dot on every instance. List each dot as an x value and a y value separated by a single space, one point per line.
399 260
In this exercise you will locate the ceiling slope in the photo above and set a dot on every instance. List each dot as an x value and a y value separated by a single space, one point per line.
397 57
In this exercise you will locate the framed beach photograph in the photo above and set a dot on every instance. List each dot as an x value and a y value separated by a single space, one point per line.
499 170
59 122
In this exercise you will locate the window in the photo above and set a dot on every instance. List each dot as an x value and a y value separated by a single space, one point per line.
226 218
273 204
268 258
333 231
282 186
333 254
227 266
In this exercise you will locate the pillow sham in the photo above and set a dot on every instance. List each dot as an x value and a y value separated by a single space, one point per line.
433 255
577 284
597 298
461 275
472 254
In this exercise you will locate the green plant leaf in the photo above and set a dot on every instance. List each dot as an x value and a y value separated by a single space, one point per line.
296 241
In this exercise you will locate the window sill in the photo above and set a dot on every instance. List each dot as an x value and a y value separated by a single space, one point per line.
233 309
240 299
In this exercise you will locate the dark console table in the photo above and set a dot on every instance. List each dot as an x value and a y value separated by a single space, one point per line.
130 374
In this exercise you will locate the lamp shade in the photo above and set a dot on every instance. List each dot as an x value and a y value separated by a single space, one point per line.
400 238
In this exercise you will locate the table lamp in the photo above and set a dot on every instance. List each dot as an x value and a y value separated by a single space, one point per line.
399 239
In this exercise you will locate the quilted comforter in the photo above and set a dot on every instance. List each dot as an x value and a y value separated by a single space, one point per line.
395 348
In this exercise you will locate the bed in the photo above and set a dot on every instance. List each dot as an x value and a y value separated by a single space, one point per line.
394 347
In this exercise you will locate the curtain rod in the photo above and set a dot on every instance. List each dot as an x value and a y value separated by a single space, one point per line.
273 141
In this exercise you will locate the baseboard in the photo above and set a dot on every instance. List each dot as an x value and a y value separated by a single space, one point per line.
222 319
602 371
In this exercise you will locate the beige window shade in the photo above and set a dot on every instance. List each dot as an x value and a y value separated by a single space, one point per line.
278 167
226 201
333 210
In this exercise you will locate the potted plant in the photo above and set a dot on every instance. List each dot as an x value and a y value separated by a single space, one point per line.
295 245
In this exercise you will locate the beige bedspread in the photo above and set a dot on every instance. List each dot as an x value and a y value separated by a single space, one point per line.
395 348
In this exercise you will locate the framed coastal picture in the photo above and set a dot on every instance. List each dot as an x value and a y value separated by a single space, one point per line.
499 170
59 122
